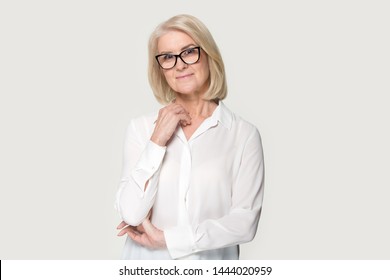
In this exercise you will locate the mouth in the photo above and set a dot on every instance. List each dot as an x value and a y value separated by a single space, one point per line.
183 76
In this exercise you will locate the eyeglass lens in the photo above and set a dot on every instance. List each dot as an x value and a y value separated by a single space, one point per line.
188 56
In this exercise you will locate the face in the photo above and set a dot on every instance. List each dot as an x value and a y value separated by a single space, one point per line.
183 78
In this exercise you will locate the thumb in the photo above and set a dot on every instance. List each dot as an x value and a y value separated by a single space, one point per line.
149 228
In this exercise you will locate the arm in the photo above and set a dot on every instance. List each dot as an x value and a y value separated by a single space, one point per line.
240 224
142 164
138 186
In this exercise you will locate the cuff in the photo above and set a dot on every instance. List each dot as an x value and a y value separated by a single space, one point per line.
179 240
148 164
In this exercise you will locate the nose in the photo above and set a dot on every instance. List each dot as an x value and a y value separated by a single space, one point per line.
180 65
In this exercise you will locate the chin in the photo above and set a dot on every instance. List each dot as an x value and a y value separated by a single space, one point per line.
186 91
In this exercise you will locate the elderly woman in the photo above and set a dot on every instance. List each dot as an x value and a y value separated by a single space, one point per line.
193 174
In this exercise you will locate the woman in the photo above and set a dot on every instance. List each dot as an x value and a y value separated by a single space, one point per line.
193 174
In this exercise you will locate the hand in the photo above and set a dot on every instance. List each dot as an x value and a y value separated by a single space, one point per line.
168 119
145 234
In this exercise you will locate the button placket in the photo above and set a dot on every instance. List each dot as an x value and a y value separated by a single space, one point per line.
184 181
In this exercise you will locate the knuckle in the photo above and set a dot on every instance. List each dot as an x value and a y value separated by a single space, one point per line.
160 111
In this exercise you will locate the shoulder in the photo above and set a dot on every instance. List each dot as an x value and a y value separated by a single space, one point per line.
246 135
142 126
144 120
239 125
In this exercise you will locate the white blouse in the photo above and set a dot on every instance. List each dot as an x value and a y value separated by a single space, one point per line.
206 193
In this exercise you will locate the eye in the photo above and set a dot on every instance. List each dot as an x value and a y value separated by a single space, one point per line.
188 51
167 56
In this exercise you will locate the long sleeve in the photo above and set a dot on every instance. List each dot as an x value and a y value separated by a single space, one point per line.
237 226
141 166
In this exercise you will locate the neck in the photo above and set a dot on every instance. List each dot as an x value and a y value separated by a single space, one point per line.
197 108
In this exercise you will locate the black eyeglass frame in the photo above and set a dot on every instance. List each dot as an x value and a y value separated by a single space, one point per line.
179 56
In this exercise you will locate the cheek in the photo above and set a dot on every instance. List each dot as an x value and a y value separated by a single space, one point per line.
205 68
205 74
168 75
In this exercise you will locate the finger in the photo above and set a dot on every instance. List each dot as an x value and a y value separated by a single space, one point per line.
133 232
180 109
168 117
121 225
170 113
184 118
125 230
141 239
184 123
173 108
140 229
133 235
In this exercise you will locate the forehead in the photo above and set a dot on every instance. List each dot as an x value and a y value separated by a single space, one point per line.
174 41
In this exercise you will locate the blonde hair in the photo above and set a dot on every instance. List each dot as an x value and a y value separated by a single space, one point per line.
201 35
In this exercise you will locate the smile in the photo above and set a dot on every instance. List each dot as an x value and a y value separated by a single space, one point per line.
184 76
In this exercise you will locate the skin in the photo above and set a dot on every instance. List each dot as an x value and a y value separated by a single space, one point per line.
188 110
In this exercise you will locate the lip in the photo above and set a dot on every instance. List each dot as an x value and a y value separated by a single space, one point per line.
184 76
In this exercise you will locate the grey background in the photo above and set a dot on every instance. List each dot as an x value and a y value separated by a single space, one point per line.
313 76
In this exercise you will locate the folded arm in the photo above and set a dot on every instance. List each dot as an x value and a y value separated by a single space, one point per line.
240 224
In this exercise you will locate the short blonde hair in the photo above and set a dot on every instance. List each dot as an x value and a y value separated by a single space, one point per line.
201 35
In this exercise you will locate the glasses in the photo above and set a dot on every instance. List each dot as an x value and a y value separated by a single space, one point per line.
188 56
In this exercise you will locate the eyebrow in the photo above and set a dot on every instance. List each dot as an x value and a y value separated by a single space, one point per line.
182 49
